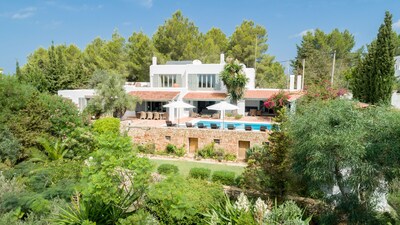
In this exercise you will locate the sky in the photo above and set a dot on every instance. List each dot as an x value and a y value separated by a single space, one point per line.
30 24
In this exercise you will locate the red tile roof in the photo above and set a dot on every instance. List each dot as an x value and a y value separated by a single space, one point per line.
155 95
205 95
265 94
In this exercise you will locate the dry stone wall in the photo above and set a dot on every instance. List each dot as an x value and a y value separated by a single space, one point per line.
228 139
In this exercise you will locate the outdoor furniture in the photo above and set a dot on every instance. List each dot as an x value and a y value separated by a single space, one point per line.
248 128
201 125
253 112
170 124
205 116
149 115
156 116
231 127
214 126
263 128
189 125
258 112
194 115
142 115
215 116
164 115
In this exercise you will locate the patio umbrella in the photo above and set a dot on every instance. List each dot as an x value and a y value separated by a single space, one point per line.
179 105
223 106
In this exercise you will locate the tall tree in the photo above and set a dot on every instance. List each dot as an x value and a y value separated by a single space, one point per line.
234 79
111 97
248 42
270 74
317 49
374 77
214 42
140 51
178 38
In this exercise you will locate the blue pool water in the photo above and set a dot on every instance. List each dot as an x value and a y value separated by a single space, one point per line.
238 125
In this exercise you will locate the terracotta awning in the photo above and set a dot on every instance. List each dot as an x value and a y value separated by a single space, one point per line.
205 96
161 96
265 94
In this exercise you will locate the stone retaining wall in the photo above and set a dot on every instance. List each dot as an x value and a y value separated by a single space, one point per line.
229 140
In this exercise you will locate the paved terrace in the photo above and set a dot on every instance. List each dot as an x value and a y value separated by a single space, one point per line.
134 122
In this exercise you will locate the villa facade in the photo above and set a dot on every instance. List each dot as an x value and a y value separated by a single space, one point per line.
193 82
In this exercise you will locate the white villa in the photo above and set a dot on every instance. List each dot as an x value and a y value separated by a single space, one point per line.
192 82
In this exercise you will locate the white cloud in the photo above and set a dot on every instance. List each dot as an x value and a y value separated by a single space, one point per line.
24 13
304 32
396 25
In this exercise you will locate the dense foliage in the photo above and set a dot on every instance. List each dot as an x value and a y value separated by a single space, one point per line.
373 78
234 79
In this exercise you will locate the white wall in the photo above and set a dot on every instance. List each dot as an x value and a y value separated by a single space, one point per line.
74 95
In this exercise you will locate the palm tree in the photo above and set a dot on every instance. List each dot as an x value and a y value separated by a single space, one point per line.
234 79
53 150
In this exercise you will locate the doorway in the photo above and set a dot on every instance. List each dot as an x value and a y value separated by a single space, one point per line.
243 146
193 145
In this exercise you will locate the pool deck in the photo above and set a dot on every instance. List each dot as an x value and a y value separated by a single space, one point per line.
159 123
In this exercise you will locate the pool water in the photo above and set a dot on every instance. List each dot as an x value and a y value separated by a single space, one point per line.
238 125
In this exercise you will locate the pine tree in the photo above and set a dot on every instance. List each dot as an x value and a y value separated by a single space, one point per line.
374 77
18 71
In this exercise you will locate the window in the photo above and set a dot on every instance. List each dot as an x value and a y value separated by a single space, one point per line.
168 138
217 141
206 80
168 80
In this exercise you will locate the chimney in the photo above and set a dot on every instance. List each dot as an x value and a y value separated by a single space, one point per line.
298 84
222 58
291 82
154 60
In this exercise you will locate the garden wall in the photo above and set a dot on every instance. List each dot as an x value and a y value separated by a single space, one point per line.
228 139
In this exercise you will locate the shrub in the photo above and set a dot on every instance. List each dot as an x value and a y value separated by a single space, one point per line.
149 148
167 169
253 150
180 201
106 125
9 147
238 116
228 114
207 151
200 173
230 157
224 177
172 149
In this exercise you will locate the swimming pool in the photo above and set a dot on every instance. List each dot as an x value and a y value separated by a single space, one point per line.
237 124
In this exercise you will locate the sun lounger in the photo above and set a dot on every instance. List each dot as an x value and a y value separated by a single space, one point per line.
201 125
263 128
214 126
189 125
170 124
248 128
231 127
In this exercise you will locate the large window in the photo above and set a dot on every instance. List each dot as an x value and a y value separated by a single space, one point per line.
168 80
206 80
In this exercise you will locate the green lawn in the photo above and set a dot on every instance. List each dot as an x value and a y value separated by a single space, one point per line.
185 166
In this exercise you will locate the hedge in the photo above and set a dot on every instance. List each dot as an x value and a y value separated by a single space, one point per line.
167 169
200 173
224 177
105 125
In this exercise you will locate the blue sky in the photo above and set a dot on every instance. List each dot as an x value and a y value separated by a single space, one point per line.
27 25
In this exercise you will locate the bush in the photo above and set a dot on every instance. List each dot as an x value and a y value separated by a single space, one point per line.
207 151
238 116
230 157
200 173
180 201
253 150
167 169
224 177
172 149
106 125
149 148
228 114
